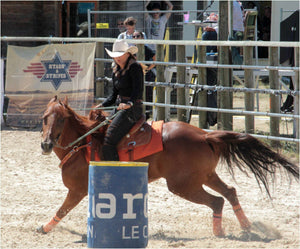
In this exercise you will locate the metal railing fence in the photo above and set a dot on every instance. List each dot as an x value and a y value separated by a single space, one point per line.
161 65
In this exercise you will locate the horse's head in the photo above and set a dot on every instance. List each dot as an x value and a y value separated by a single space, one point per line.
53 123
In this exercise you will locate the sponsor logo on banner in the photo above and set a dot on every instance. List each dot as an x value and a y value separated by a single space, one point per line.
34 75
55 70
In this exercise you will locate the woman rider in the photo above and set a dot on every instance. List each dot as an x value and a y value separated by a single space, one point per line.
128 86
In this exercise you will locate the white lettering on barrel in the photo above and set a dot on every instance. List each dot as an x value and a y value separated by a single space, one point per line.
130 198
111 206
145 231
90 231
105 206
146 205
134 232
124 233
91 213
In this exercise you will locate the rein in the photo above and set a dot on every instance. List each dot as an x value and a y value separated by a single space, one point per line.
98 108
105 122
77 148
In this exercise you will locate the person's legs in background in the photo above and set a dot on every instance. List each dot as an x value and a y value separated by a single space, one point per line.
237 59
210 36
150 76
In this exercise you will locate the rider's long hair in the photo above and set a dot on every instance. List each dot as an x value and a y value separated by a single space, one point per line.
117 69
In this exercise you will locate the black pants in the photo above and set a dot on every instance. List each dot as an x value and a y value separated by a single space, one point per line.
118 128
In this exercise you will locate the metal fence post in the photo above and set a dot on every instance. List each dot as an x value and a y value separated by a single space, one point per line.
274 100
249 83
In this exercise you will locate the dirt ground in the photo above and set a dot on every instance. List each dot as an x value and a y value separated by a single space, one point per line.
32 191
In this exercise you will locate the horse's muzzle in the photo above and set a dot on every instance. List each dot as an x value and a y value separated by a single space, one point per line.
46 147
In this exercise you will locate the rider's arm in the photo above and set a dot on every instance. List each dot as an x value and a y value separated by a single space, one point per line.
111 99
170 7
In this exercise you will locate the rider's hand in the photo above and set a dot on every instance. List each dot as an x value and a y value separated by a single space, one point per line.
123 106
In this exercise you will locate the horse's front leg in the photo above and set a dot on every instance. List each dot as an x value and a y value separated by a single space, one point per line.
72 199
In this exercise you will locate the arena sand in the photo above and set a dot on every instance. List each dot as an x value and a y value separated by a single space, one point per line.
32 191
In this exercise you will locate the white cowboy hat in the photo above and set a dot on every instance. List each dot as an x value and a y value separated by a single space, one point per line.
121 47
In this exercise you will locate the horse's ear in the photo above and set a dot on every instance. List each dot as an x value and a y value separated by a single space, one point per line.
54 99
65 102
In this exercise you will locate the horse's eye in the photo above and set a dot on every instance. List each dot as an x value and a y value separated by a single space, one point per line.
60 121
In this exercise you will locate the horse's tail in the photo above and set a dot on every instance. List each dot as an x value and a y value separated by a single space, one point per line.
245 151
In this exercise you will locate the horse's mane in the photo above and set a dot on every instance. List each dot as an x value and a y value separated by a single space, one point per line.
78 122
83 122
94 118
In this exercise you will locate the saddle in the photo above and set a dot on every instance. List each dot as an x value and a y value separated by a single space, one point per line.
139 134
143 139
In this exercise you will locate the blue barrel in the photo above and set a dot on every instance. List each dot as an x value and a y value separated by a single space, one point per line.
118 197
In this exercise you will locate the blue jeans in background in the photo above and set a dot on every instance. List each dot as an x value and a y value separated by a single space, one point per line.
237 59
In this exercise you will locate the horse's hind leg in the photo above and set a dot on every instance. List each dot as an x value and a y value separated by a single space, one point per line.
72 199
195 193
215 183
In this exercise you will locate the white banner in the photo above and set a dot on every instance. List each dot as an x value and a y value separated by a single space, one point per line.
34 75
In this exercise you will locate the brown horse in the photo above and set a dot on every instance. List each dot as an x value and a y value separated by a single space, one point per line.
187 162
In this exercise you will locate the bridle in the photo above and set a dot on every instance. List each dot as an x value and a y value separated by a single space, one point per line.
55 141
76 144
103 123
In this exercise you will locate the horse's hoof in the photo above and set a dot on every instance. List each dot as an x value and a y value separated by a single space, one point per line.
247 229
219 233
246 226
41 230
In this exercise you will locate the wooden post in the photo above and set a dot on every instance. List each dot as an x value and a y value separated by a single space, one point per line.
230 16
99 84
249 83
141 52
224 75
180 78
160 91
274 100
296 98
141 57
202 80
